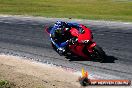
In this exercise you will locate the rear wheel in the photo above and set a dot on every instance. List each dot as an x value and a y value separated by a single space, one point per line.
98 54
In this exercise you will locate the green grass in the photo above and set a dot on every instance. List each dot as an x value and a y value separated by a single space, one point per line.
4 84
84 9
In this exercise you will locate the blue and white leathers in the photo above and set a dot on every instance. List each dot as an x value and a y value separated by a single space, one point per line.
55 27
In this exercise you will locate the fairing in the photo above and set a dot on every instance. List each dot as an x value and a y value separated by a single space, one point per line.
86 34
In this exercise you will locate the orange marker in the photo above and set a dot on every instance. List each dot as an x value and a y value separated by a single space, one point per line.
84 74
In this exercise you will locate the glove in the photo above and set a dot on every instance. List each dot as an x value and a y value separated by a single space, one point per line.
72 40
69 41
61 51
67 29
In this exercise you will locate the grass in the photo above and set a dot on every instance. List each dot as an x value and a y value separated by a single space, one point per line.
4 84
84 9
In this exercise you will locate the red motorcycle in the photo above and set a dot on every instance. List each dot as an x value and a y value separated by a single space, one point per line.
82 44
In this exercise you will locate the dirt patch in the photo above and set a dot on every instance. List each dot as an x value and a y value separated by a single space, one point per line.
23 73
28 74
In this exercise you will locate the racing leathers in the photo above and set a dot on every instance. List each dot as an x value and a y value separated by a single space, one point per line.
61 39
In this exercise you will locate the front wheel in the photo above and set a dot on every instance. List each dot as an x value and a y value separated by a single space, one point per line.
98 54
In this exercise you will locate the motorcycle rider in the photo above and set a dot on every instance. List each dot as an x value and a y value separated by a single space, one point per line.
60 35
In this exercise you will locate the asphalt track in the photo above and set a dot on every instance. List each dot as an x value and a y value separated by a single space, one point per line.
25 36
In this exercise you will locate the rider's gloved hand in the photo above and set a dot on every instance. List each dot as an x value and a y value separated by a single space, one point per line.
67 29
69 41
61 51
72 41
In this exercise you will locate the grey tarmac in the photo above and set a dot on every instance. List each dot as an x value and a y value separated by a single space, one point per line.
26 37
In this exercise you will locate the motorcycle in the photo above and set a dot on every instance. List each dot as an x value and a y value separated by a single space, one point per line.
82 44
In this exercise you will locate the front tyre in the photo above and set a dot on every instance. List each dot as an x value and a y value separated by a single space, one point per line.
98 54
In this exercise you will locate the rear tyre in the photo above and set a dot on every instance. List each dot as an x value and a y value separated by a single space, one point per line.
98 54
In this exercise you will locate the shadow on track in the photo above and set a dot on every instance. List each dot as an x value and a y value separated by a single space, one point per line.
108 59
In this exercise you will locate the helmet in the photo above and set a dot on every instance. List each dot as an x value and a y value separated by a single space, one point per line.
59 27
59 31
